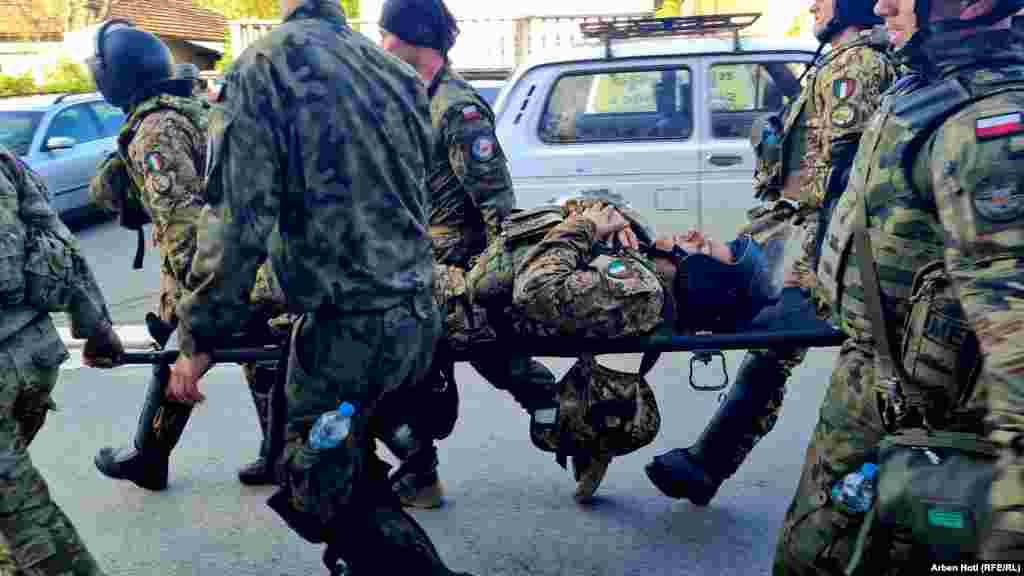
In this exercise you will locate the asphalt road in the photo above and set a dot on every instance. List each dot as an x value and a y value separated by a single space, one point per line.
510 509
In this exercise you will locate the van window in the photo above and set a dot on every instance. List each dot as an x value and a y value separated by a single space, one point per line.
633 105
741 92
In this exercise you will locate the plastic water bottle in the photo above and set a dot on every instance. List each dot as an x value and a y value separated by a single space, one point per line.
332 427
856 491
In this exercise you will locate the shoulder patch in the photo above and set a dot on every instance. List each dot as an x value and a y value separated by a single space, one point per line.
471 113
998 126
844 88
483 148
1001 205
618 269
154 162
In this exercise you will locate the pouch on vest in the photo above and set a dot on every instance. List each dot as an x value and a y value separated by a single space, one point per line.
601 411
931 483
492 278
939 353
933 489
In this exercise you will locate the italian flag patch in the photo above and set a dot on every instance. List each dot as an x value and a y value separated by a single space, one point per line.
997 126
844 88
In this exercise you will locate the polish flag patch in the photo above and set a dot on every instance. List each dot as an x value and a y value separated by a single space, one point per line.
998 126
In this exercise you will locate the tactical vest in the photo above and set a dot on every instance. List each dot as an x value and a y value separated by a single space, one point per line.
134 214
771 169
906 235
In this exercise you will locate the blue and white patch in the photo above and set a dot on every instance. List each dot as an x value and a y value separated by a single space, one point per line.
618 269
483 148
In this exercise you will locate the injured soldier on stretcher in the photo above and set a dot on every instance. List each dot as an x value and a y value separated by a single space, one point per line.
587 276
582 271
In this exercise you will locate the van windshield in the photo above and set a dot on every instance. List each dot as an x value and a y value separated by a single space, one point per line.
17 129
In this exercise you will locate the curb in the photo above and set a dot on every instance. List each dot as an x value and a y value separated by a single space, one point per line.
133 336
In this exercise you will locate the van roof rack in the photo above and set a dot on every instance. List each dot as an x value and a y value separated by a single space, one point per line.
659 27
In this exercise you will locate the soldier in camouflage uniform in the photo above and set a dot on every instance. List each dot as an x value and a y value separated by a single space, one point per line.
937 177
573 286
819 138
471 194
44 271
319 154
162 151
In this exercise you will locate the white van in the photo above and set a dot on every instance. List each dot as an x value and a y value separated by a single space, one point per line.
660 116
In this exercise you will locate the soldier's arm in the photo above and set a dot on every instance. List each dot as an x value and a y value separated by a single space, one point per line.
479 163
162 152
555 287
977 178
241 211
81 296
851 95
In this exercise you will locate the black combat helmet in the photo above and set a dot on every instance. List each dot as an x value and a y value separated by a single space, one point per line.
846 13
128 62
426 23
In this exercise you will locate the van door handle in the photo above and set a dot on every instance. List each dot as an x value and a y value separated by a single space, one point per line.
725 160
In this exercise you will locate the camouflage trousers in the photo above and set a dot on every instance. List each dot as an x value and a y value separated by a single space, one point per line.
529 382
816 537
261 378
341 496
40 538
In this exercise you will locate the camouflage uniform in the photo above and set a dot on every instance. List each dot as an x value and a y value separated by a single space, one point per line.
39 535
470 195
933 186
840 94
342 211
164 145
564 284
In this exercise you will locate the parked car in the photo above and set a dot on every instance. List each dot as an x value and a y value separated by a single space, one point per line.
663 122
489 89
63 138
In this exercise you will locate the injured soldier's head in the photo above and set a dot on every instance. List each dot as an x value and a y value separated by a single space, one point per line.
717 286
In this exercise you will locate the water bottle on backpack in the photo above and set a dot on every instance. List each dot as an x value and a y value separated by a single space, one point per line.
332 427
855 492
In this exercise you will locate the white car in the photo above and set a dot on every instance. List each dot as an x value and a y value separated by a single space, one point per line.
663 122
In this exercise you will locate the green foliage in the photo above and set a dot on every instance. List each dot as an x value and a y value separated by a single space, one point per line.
16 85
66 76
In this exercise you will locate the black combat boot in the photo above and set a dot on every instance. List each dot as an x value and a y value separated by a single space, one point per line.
260 472
416 482
161 424
747 414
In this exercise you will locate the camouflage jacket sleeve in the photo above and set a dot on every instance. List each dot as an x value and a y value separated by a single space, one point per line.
847 91
55 257
559 284
972 165
165 159
241 211
479 163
